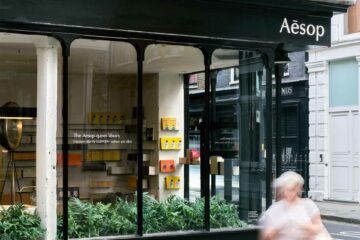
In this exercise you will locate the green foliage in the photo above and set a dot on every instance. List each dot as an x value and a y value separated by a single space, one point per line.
223 214
17 224
119 218
92 220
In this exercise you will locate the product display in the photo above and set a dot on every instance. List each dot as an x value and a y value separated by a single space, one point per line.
167 166
172 182
217 165
101 184
168 124
192 157
105 118
170 143
132 182
108 155
24 156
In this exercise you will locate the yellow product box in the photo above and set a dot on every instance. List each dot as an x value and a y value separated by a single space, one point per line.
117 118
107 155
30 156
88 156
217 165
116 155
168 124
132 182
101 118
111 155
101 184
95 156
169 143
107 118
92 118
172 182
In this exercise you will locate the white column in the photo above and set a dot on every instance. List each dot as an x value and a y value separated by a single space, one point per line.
318 129
47 71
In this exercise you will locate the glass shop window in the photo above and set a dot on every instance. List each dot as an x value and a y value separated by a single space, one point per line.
102 139
18 92
22 87
167 150
233 144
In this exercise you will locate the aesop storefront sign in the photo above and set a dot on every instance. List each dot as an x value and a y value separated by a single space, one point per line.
296 27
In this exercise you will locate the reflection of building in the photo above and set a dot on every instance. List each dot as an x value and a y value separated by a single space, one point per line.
294 116
334 112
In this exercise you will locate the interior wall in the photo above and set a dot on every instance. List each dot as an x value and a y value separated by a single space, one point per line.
151 111
171 104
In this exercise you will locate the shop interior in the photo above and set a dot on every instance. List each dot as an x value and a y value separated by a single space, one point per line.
102 123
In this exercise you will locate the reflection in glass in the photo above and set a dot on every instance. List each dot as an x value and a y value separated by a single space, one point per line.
18 79
237 153
165 208
102 139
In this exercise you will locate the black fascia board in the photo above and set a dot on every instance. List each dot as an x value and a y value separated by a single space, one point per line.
301 5
253 24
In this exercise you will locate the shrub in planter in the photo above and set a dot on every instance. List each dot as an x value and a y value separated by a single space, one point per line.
176 214
86 219
17 224
119 218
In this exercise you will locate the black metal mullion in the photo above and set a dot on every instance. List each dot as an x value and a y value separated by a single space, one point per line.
65 42
139 130
268 133
212 122
186 134
278 73
205 153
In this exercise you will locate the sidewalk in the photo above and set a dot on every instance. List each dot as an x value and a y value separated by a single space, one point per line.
340 211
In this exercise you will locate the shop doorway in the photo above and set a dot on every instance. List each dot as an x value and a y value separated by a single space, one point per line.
344 155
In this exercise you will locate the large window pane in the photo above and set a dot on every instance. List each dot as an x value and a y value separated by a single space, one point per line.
18 89
165 206
343 83
237 149
102 139
29 67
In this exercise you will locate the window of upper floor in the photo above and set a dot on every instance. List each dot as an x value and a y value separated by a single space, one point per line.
352 19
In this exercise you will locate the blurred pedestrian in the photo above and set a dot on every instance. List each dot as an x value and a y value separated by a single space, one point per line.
278 186
292 217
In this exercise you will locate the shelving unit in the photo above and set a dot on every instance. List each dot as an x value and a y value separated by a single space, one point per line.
105 149
24 158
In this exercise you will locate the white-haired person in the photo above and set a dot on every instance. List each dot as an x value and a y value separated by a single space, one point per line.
292 217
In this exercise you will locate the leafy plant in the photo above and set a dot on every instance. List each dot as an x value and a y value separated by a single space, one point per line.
86 219
223 214
119 218
17 224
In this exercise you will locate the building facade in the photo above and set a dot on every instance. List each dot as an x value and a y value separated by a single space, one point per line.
95 112
334 112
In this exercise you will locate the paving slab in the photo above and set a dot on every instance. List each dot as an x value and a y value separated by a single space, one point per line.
340 211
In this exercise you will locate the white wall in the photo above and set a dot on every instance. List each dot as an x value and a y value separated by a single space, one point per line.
343 46
171 104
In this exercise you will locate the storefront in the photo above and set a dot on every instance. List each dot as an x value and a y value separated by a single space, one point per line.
110 146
